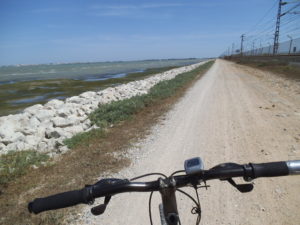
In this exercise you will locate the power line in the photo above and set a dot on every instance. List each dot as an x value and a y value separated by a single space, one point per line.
294 7
262 33
262 17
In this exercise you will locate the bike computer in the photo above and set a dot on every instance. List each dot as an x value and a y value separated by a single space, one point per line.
193 165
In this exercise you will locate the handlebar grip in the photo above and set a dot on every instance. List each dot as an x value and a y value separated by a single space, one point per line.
271 169
59 201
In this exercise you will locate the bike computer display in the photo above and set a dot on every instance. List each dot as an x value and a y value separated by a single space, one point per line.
193 165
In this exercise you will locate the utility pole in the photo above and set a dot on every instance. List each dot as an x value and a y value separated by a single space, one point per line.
232 49
291 42
277 28
269 52
242 42
261 49
253 46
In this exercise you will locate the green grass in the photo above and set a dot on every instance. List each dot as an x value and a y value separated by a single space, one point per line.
115 112
83 137
15 164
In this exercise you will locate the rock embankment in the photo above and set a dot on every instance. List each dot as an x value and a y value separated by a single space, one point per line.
44 127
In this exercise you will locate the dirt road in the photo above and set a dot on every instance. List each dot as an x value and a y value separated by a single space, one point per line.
230 114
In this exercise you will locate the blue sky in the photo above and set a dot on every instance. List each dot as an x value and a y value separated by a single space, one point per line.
43 31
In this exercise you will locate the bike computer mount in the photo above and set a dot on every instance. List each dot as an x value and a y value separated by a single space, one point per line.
193 165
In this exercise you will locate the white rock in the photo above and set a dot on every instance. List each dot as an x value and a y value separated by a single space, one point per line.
86 124
20 146
103 101
44 114
24 118
16 137
33 109
27 131
62 149
50 144
54 104
93 127
59 142
94 105
56 132
53 144
81 113
42 147
100 93
74 129
11 147
34 122
32 140
42 128
88 94
86 108
64 112
46 123
67 134
65 122
2 147
2 134
74 99
7 128
81 118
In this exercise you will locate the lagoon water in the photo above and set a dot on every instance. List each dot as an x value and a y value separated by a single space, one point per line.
23 86
83 71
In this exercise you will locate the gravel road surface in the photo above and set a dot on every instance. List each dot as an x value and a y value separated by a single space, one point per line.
232 114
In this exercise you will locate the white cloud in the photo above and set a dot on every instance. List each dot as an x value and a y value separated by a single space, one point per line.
128 9
141 6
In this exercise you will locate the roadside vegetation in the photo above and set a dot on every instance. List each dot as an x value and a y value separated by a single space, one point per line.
15 164
93 153
281 68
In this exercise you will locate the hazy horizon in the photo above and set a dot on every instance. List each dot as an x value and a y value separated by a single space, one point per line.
87 62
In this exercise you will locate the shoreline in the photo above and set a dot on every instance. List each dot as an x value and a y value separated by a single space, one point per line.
79 70
15 97
45 127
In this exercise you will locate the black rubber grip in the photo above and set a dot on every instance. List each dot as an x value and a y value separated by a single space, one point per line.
272 169
59 201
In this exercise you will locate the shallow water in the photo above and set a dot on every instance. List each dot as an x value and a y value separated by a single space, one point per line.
82 71
29 88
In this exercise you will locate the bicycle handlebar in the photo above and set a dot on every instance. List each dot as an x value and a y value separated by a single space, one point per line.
58 201
109 187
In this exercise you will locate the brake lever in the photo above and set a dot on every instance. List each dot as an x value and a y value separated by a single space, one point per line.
100 209
106 183
243 188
